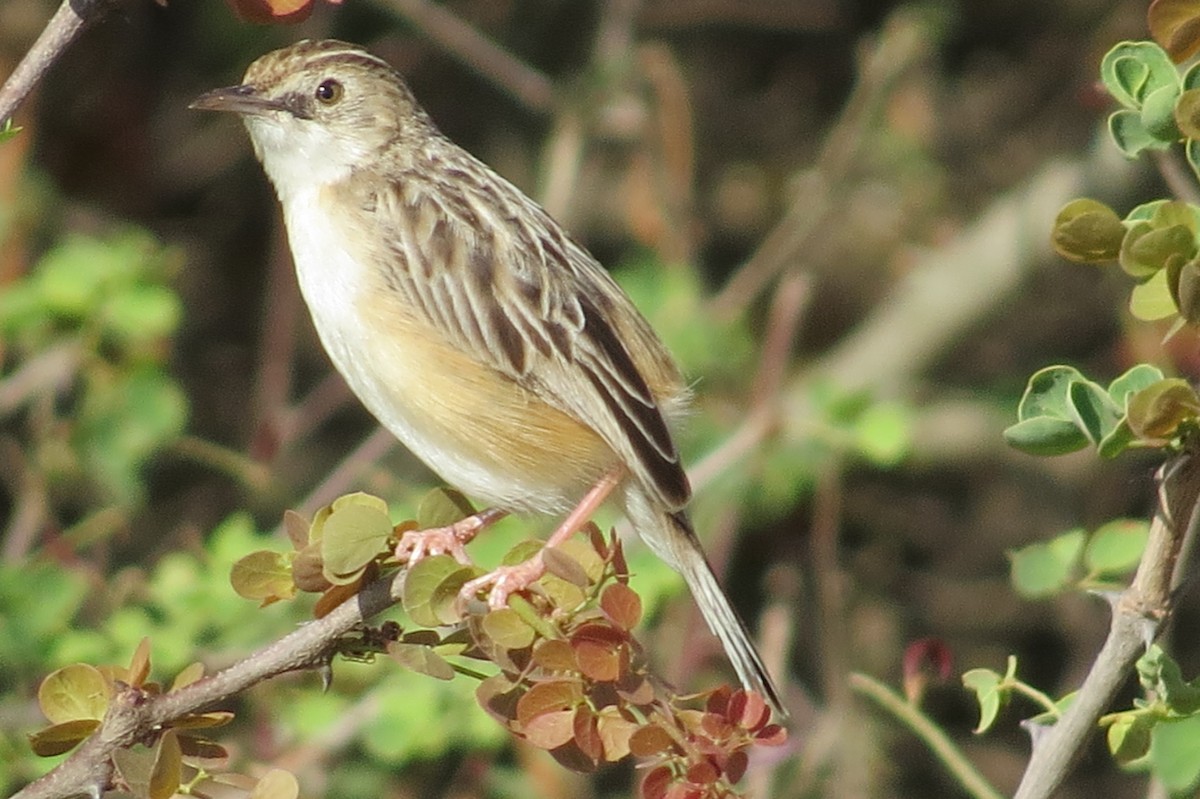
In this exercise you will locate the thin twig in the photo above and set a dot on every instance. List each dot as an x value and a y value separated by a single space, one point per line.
942 747
1138 616
63 28
530 87
133 714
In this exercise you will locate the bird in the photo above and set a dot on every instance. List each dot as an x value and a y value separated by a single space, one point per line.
465 318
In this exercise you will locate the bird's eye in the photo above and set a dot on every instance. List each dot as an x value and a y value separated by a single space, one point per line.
329 91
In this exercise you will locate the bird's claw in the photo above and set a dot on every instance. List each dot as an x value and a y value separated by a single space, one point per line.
416 545
503 581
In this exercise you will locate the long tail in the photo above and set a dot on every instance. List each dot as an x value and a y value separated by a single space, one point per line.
719 614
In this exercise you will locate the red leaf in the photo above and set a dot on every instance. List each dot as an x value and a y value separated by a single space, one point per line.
703 773
771 735
600 652
555 655
269 11
650 740
748 711
615 731
587 734
547 697
735 766
549 730
621 605
499 698
656 782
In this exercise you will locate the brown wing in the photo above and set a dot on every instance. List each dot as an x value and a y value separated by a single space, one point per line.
550 319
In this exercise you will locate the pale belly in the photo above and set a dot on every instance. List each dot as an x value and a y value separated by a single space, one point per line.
478 430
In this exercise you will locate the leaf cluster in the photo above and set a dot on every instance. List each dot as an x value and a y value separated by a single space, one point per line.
1062 411
570 677
1156 243
176 758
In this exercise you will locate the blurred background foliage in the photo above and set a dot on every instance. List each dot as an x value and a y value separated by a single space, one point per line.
766 177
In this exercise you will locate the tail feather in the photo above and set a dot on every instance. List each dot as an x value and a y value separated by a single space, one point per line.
722 619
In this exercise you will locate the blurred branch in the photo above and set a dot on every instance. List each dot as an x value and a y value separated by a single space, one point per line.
134 715
1139 613
67 23
901 43
531 88
612 49
951 288
376 445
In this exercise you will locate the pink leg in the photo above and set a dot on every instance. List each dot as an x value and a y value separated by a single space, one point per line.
507 580
418 544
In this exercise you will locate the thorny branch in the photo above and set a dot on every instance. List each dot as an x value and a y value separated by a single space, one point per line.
1139 613
133 715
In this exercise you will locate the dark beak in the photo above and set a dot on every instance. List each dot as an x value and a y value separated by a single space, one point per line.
242 99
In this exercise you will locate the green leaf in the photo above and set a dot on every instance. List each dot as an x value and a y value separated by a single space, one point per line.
421 587
1047 393
1044 569
1146 249
1134 380
1045 436
1087 231
1160 674
1093 410
442 507
1132 70
1129 736
142 314
883 433
1116 547
1158 113
1119 439
986 685
59 738
353 535
420 659
1152 300
1130 135
263 575
8 130
1175 754
508 629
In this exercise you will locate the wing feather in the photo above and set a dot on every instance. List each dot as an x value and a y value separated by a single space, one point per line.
545 321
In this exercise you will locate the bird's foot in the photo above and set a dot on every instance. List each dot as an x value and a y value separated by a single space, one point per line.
416 545
504 582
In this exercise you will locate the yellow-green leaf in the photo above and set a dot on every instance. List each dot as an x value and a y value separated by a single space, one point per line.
353 535
74 692
263 575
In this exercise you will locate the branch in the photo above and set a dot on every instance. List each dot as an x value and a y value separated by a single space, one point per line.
1139 613
63 28
133 715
